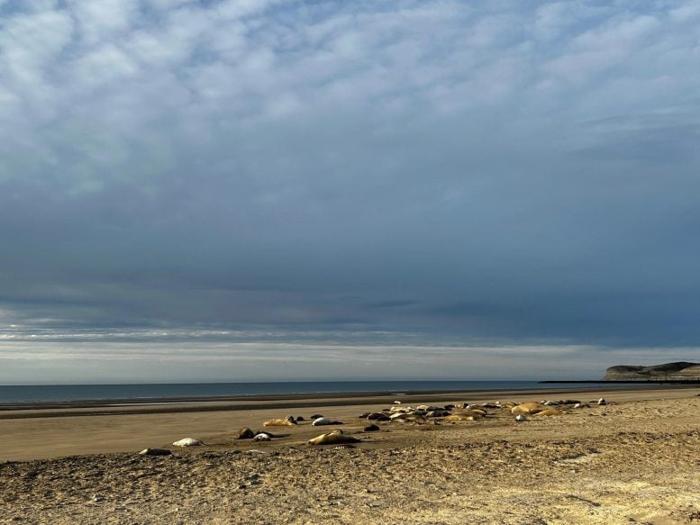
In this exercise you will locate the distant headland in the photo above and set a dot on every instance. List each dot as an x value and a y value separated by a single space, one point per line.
677 371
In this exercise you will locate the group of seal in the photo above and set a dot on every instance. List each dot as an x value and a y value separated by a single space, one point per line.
400 413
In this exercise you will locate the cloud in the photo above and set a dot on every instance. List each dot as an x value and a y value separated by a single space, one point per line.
487 171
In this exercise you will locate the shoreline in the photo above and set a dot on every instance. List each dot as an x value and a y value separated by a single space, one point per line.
173 405
160 400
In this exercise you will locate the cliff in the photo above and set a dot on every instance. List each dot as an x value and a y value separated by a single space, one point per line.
680 370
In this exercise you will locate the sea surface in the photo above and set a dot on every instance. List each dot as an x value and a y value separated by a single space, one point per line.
135 392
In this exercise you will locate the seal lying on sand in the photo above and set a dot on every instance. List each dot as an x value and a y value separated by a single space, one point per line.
188 442
464 416
288 421
325 421
527 408
262 436
333 438
378 416
246 433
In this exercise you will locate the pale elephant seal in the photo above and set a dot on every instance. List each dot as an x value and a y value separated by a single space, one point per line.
333 438
602 401
288 421
188 442
321 421
466 416
526 408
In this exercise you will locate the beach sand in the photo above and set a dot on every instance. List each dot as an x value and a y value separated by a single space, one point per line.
634 461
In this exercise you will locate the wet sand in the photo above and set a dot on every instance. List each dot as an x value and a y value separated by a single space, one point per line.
634 461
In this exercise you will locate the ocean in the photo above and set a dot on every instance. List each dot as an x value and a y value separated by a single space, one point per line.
17 394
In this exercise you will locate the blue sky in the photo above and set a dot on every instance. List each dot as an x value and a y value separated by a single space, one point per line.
265 190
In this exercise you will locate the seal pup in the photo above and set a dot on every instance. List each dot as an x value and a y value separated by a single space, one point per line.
262 436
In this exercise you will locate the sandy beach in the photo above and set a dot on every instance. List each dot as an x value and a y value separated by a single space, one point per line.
634 460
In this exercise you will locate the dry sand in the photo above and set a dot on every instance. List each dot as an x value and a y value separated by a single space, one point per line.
636 461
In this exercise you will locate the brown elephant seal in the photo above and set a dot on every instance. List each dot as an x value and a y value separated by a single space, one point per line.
333 438
246 433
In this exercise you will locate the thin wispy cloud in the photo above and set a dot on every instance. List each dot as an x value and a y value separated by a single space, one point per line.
511 172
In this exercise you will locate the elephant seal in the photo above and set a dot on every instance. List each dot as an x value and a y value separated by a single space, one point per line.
333 438
464 416
371 428
378 416
188 442
246 433
288 421
262 436
527 408
321 421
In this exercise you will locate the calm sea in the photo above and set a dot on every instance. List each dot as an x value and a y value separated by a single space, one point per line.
64 393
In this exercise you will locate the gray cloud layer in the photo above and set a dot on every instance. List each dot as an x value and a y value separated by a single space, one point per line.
507 172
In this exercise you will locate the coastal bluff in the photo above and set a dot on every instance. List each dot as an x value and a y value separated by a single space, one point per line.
678 371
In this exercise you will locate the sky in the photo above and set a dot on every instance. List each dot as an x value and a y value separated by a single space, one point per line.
285 190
